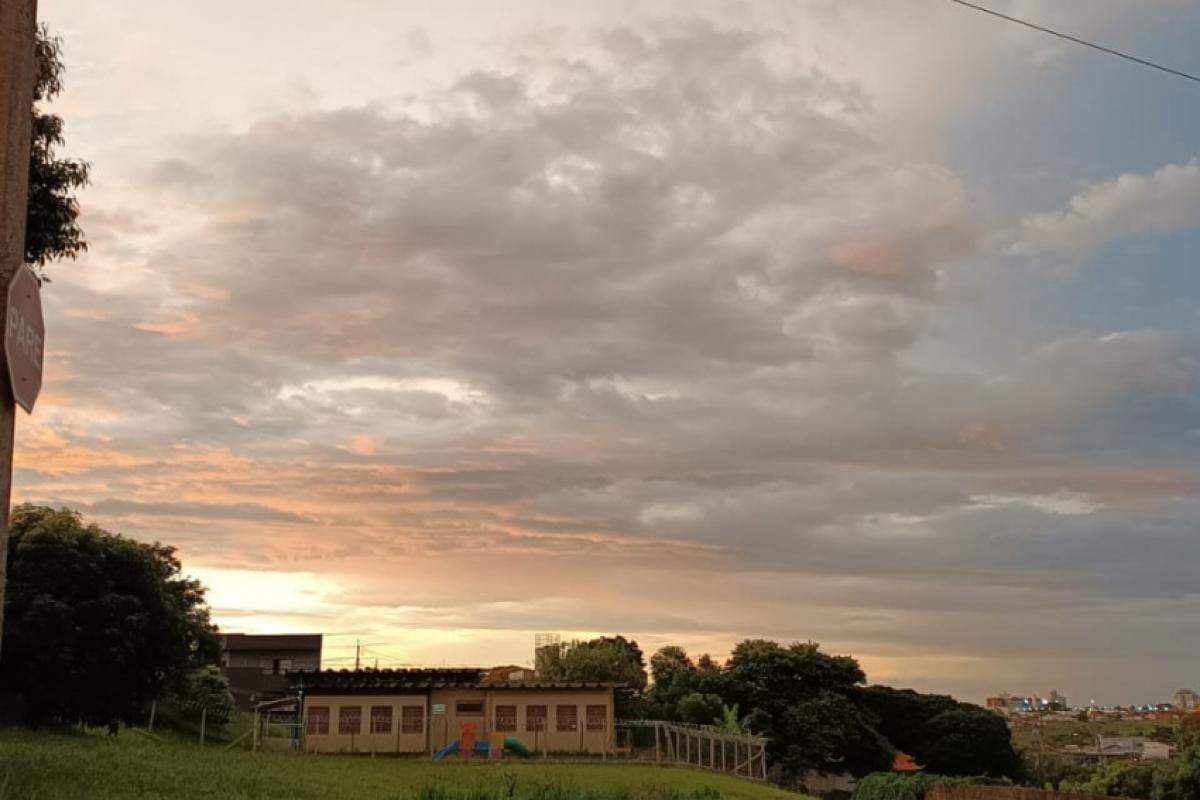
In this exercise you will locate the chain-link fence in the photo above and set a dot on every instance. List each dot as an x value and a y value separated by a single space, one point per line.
212 723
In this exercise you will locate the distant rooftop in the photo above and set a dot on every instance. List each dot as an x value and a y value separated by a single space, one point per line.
271 641
332 681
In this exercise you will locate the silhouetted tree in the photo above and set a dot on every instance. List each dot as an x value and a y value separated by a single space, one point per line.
95 624
51 224
944 735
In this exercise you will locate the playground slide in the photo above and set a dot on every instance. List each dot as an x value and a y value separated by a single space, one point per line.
514 745
445 751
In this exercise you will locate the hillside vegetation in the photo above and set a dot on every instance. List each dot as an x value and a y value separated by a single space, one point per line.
70 766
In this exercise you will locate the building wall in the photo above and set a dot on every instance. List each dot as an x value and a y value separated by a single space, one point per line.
578 740
445 719
364 740
256 666
457 708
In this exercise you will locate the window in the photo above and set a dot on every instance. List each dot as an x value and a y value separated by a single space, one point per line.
468 709
318 719
566 718
412 719
535 718
285 665
381 719
350 719
597 718
268 666
506 718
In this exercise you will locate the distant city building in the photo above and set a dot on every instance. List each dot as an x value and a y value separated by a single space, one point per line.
1012 704
1186 700
256 665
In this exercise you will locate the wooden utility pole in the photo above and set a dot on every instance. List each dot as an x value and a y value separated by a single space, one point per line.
18 31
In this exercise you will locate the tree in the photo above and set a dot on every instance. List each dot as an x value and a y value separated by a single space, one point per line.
945 736
675 676
1118 779
51 223
800 699
828 733
700 709
731 720
668 664
203 688
95 624
1189 731
970 740
608 659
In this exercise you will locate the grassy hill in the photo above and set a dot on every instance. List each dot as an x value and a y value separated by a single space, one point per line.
65 766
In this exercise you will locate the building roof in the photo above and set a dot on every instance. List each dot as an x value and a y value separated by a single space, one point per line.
344 681
270 641
1110 746
903 762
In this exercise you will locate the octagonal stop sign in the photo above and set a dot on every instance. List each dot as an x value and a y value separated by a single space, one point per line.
24 337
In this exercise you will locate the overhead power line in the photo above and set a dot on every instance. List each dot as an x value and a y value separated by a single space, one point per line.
1083 42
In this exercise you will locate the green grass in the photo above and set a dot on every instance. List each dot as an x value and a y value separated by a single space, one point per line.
66 766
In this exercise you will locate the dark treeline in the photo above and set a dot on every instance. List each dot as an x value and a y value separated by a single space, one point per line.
815 708
97 626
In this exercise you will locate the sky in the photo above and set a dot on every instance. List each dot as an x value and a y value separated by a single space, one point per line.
431 326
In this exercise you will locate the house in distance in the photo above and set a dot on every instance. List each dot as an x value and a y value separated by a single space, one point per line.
257 665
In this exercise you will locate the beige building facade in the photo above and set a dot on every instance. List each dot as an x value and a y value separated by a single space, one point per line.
424 711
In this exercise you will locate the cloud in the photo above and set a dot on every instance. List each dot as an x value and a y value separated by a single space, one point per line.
246 512
1162 201
640 317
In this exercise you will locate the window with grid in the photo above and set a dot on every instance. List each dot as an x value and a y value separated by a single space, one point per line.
506 718
412 719
566 718
535 718
318 719
597 718
350 719
381 719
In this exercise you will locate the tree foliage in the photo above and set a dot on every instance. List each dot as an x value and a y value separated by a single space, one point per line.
817 715
52 219
1177 779
202 688
943 735
612 659
1118 779
701 709
608 659
676 677
1189 731
95 624
800 699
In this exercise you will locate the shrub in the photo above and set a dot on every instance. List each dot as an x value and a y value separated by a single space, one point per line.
896 786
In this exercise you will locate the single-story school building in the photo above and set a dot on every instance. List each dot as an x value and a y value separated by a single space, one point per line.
426 710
